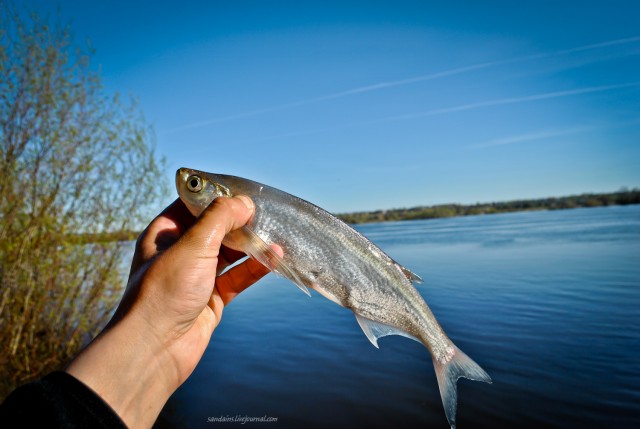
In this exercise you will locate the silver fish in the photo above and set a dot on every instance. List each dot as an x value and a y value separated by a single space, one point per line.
325 254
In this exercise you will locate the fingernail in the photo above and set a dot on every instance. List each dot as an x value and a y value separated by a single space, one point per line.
247 201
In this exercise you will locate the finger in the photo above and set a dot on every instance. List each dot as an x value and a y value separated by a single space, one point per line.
238 278
179 214
165 229
162 232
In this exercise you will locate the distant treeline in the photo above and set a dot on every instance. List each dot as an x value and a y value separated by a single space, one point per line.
622 197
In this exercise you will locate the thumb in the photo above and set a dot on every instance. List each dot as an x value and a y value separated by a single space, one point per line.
222 216
194 257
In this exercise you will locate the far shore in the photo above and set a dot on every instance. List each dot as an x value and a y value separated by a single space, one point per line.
623 197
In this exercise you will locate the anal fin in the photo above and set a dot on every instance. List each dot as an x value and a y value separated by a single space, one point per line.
375 330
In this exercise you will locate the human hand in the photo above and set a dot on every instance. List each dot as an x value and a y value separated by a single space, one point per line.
174 271
170 308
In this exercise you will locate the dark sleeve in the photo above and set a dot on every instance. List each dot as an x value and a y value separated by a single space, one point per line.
57 401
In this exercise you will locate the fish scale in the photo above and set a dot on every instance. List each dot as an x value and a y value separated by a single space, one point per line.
325 254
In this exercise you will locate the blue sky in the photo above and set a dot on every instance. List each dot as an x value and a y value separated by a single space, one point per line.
373 105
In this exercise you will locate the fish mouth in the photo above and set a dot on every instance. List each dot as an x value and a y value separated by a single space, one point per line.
181 177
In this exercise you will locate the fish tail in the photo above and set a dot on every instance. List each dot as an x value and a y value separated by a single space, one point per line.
459 365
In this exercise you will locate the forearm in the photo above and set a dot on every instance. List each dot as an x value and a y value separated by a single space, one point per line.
130 372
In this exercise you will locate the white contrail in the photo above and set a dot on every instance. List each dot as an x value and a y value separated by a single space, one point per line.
532 136
394 83
460 108
348 92
599 45
503 101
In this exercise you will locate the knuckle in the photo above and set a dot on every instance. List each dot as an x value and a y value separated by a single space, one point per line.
221 203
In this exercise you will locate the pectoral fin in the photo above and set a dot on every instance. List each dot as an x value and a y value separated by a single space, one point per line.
324 292
374 330
249 242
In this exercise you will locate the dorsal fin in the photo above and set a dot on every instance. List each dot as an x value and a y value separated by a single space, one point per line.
411 275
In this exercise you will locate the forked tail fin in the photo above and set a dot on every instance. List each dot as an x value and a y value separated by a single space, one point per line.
460 365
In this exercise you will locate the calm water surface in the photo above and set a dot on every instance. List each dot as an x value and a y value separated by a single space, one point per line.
548 303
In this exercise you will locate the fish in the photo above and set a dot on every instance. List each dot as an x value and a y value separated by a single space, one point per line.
323 253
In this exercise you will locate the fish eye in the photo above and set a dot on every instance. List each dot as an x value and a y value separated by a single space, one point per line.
194 183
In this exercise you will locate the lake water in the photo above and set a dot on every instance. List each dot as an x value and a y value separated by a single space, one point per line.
548 303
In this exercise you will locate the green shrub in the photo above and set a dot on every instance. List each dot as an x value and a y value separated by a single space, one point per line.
75 163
